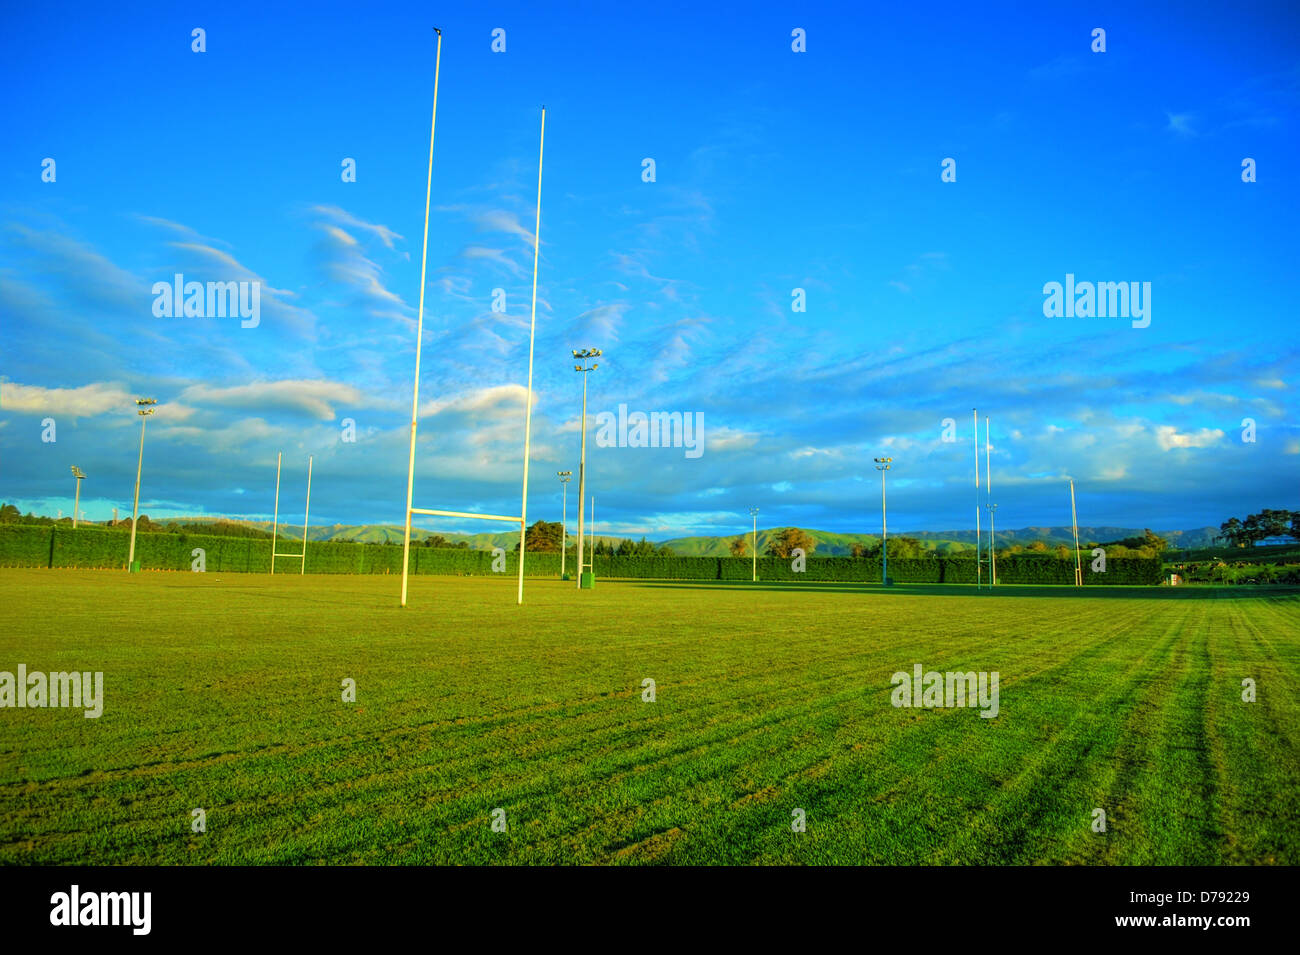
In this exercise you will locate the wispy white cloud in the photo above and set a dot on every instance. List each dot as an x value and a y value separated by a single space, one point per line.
316 398
1169 437
344 218
1180 123
85 401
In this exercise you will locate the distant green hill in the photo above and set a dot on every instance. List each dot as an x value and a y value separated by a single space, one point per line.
829 543
377 533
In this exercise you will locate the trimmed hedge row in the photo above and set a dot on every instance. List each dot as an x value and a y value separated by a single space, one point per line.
93 547
61 546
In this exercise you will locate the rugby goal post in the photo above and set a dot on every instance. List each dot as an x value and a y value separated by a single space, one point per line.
275 520
522 519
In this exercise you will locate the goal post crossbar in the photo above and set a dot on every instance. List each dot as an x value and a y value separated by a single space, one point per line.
468 514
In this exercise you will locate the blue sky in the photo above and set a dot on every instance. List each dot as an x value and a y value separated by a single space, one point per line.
775 170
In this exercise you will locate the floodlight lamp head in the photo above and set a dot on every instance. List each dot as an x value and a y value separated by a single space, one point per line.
146 401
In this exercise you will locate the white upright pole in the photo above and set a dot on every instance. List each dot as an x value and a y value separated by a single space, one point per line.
564 526
1074 521
419 325
76 504
135 508
988 485
979 540
532 334
275 519
582 476
305 515
591 556
993 549
753 576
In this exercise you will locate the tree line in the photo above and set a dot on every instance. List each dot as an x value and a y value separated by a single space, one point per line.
1270 522
783 542
9 514
546 536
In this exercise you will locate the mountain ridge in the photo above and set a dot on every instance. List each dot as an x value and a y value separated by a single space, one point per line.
829 543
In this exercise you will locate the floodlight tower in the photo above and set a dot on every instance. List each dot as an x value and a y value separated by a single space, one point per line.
144 409
582 357
565 477
76 504
753 512
979 581
882 465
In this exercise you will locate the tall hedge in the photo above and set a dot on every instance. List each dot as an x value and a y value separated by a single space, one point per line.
61 546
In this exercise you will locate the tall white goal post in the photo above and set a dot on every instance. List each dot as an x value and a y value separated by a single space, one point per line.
522 519
275 520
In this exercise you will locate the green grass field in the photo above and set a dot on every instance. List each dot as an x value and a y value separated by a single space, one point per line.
223 692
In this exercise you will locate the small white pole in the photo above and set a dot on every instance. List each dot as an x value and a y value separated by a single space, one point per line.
1074 520
305 514
993 550
419 325
275 520
753 512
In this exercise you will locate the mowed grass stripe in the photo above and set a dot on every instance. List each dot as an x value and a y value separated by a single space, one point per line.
1259 741
946 773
